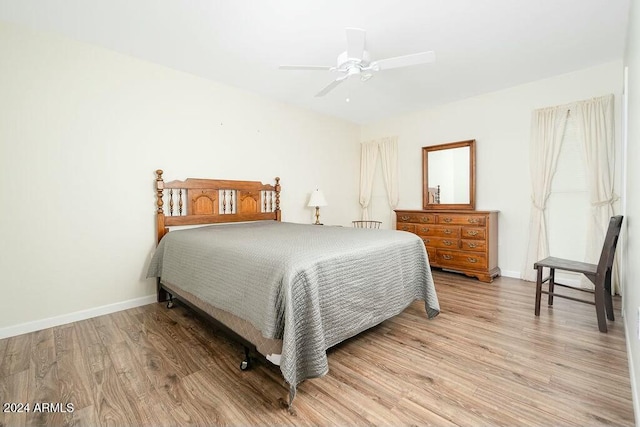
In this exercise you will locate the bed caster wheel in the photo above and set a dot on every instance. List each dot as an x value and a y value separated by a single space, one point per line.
170 304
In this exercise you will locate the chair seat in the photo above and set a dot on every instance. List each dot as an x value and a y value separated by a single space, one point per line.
567 265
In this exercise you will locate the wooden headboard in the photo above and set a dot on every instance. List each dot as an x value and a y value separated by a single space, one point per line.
211 201
434 195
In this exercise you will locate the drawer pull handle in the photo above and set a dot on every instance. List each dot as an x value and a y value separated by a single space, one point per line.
472 232
474 220
426 241
472 245
405 228
446 231
447 257
424 219
447 220
405 218
447 242
472 260
425 229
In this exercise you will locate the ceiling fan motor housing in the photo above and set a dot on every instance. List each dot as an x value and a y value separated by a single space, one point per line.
352 66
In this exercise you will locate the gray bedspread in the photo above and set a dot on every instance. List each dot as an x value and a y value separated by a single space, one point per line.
311 286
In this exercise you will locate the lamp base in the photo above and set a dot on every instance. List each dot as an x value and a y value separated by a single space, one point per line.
317 216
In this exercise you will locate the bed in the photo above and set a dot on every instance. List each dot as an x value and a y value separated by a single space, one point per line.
290 291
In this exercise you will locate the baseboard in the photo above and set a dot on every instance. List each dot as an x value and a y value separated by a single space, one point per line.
508 273
632 376
571 281
37 325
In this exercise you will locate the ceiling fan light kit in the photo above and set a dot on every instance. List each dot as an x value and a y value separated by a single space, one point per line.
357 61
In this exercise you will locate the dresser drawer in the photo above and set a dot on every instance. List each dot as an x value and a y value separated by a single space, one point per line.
418 218
411 228
474 233
473 245
470 260
440 242
438 231
461 219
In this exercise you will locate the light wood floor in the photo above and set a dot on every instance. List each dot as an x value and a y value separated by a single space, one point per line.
486 360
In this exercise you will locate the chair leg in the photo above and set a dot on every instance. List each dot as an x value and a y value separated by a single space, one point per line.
608 300
608 305
538 290
600 309
552 281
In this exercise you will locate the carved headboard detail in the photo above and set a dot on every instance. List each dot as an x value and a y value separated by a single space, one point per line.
211 201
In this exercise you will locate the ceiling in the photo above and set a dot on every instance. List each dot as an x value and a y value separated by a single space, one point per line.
480 45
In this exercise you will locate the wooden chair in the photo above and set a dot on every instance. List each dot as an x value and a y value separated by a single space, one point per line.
366 224
599 274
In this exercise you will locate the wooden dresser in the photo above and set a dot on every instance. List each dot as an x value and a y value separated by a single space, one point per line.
464 241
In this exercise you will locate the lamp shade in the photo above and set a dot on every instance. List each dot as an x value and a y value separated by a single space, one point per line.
317 199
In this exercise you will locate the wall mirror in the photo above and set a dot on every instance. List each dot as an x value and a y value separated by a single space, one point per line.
449 176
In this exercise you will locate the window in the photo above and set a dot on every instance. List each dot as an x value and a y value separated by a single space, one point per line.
568 206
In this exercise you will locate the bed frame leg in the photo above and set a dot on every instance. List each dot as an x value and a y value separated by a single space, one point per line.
162 293
246 363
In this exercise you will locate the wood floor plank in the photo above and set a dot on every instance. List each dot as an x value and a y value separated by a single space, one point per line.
108 332
112 404
73 379
94 353
14 389
84 417
3 349
167 338
43 370
130 372
485 360
16 355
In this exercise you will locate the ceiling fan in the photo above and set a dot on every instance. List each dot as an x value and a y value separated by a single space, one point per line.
356 61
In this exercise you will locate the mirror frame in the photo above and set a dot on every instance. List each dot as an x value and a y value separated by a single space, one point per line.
472 176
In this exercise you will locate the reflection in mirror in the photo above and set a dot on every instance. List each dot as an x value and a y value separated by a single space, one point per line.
449 172
449 176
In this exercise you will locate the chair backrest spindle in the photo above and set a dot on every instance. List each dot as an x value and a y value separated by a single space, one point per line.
366 224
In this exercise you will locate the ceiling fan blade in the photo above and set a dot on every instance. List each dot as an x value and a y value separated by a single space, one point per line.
404 61
355 43
329 87
306 67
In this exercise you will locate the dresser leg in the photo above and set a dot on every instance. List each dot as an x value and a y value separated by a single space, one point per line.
487 278
483 277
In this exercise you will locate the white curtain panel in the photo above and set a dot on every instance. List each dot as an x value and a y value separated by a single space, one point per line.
389 157
547 130
595 123
368 158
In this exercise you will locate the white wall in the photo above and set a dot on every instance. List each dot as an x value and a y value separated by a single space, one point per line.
500 123
82 130
631 229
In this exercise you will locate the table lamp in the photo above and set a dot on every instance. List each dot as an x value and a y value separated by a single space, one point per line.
316 200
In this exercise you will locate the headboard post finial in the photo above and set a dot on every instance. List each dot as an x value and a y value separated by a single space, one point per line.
159 189
277 198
